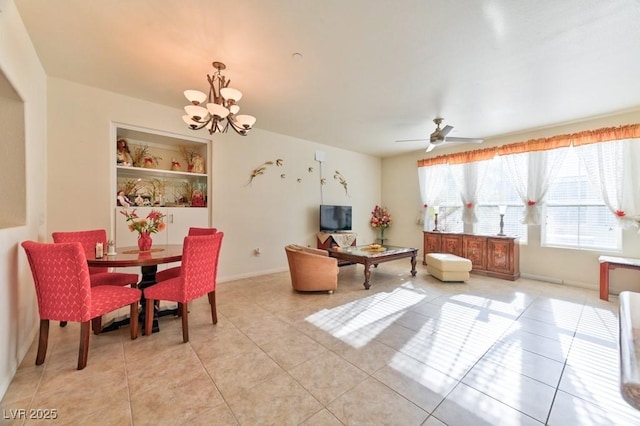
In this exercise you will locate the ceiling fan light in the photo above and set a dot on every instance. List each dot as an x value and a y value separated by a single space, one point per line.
231 94
218 110
234 109
246 121
195 96
196 113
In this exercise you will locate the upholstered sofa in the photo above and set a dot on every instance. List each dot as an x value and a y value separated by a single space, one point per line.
312 269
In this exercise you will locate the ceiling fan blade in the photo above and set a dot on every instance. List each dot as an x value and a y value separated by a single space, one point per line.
430 147
445 131
413 140
463 140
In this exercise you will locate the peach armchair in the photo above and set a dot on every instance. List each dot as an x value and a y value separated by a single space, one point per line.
312 269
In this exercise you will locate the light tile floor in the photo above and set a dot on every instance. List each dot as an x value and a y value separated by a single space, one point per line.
409 351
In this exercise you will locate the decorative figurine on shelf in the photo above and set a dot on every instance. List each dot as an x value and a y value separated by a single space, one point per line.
175 165
198 164
123 155
188 153
139 200
197 199
123 200
149 163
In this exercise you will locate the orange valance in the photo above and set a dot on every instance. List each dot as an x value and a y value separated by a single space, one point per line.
560 141
471 156
607 134
532 145
576 139
440 159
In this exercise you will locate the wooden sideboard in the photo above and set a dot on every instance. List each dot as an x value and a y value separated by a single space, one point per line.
493 256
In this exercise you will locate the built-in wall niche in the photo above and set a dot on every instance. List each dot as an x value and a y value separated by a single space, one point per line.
13 208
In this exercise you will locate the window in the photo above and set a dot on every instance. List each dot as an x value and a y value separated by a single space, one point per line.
450 215
575 214
497 190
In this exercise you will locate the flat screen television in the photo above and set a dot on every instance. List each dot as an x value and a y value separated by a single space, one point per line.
335 218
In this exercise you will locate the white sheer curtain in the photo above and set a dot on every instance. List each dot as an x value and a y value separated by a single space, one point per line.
469 178
431 179
531 173
609 166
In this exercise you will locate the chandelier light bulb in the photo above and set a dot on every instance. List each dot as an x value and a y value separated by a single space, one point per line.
196 97
218 110
197 113
246 121
231 94
221 106
192 124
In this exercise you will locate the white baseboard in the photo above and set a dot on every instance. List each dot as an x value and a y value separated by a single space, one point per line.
556 280
251 274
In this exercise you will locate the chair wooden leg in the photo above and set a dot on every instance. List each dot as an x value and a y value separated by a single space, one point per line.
96 325
184 312
133 324
214 311
148 317
42 341
83 352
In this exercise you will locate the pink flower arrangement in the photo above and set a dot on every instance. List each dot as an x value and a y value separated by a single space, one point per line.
151 224
380 218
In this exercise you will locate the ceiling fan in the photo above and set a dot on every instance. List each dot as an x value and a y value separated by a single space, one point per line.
439 137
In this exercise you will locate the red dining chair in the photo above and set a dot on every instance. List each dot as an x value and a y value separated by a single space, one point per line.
64 293
197 278
98 276
174 272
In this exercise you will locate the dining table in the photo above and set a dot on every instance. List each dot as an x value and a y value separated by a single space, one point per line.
148 262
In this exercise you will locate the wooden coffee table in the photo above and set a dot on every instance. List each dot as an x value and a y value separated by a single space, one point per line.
367 257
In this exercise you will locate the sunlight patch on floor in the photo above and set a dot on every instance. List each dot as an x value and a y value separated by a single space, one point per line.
370 315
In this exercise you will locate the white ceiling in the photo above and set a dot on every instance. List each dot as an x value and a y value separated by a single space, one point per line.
373 71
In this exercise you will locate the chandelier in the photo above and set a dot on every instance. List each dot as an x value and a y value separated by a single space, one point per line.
221 106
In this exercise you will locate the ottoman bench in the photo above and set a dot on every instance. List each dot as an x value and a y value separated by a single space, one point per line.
448 267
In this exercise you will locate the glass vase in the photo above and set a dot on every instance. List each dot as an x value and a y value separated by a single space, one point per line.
145 241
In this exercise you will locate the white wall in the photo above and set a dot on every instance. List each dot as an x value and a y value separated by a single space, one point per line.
81 149
400 193
273 211
18 309
268 214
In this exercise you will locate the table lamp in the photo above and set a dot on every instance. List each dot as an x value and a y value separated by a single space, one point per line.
502 210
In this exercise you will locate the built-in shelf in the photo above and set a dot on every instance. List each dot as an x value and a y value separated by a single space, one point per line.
130 171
